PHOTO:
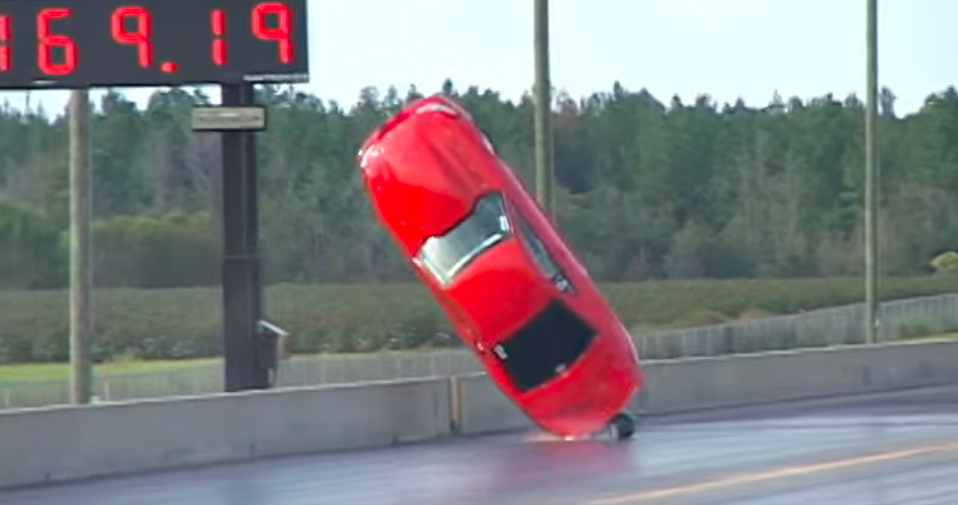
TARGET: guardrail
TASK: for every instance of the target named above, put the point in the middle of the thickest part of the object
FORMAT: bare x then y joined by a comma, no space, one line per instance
901,319
43,445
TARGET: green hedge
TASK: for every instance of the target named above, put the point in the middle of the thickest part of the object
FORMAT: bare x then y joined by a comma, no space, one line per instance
186,322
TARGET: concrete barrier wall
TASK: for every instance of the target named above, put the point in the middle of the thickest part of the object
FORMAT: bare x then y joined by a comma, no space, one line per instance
64,443
696,384
702,383
485,409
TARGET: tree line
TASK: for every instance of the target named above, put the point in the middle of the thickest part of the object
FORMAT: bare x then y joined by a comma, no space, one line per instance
645,188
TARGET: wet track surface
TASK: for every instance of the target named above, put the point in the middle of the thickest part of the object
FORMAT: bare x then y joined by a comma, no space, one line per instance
899,448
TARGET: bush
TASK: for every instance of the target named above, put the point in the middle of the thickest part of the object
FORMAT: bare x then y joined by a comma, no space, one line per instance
187,322
28,253
946,262
174,249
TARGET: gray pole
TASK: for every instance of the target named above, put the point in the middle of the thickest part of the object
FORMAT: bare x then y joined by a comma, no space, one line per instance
80,265
871,179
543,100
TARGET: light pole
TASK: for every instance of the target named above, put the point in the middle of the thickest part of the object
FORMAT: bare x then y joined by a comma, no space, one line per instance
871,176
543,100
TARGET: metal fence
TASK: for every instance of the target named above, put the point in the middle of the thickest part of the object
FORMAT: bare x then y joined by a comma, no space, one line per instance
842,325
900,319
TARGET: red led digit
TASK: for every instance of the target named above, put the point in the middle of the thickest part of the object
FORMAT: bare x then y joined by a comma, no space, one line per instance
139,37
49,40
279,34
218,22
4,40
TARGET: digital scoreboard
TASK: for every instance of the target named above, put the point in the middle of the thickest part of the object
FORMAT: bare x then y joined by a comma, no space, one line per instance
103,43
82,44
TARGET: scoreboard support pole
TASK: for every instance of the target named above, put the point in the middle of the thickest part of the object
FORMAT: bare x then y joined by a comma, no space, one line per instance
246,355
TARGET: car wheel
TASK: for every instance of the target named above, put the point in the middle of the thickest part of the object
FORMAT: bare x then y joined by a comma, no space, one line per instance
622,426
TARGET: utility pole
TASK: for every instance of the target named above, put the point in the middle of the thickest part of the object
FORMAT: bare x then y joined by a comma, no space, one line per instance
543,101
80,261
871,177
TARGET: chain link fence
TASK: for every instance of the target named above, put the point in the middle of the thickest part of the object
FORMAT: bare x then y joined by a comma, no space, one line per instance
899,319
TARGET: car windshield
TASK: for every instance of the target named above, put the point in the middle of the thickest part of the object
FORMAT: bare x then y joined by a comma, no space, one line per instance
447,254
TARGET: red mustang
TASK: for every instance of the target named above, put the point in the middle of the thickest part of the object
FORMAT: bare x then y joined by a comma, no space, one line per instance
501,272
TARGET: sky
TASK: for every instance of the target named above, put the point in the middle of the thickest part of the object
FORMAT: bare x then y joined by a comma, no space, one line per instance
725,48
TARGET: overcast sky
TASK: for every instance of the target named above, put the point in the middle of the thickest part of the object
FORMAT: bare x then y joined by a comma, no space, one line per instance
726,48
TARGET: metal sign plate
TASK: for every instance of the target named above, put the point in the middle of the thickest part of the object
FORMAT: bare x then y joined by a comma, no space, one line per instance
219,118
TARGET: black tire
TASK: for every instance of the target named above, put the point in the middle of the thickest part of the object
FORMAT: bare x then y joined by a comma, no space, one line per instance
623,426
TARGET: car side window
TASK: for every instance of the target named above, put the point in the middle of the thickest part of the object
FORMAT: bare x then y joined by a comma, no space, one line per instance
546,263
487,141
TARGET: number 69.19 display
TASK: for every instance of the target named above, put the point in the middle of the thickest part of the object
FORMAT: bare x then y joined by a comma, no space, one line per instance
86,43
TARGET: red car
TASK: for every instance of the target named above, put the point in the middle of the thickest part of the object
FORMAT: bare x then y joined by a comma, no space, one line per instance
516,294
